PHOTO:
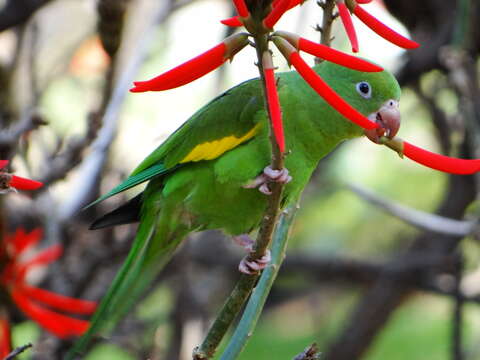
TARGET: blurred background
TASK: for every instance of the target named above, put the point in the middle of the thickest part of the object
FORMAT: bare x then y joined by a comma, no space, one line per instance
361,280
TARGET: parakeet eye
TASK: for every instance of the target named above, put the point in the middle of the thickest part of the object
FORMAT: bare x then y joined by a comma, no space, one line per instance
364,89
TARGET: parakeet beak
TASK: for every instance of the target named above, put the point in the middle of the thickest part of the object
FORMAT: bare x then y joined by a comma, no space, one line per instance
388,117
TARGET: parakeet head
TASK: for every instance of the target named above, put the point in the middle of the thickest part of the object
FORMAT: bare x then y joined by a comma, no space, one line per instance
375,94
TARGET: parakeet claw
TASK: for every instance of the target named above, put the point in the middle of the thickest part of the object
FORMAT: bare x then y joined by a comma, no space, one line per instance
244,241
250,267
269,175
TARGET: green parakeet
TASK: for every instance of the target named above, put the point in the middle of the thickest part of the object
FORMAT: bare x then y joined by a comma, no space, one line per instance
200,177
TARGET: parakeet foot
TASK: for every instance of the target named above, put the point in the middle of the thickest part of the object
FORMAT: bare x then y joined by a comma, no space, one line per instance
250,267
269,175
244,241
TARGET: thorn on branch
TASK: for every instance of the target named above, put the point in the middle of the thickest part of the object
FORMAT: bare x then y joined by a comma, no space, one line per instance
310,353
322,4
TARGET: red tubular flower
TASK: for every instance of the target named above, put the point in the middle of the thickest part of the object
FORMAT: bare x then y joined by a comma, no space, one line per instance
20,183
38,304
21,241
276,13
441,162
236,22
383,30
232,22
196,67
273,102
327,53
348,25
337,57
328,94
12,181
320,86
61,325
5,339
58,301
241,7
44,257
364,1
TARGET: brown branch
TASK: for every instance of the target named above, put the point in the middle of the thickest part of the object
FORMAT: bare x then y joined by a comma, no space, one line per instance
10,136
60,164
246,283
16,12
325,30
310,353
418,272
457,311
438,117
18,351
384,296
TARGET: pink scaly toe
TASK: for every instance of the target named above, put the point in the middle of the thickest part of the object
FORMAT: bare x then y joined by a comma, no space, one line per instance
251,267
269,175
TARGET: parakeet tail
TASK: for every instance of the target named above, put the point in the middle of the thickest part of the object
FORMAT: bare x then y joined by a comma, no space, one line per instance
158,235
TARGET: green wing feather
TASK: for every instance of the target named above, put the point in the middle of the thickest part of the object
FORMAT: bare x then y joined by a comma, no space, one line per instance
231,113
134,180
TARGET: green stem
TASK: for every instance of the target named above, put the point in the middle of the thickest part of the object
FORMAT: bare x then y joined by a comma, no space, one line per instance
259,296
244,287
264,237
242,290
224,319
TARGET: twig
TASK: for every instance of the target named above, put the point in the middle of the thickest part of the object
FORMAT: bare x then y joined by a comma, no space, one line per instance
457,350
439,117
129,59
420,219
9,137
413,270
61,164
246,283
310,353
16,12
111,15
18,351
326,29
378,303
224,319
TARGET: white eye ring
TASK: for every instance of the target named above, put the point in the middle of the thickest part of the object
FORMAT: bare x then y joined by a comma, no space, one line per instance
364,89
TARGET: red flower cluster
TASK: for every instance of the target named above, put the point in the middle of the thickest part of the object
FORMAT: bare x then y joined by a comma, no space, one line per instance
290,45
213,58
40,305
373,23
9,181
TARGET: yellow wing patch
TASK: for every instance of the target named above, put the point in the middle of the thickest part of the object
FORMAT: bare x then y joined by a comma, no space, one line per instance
212,149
